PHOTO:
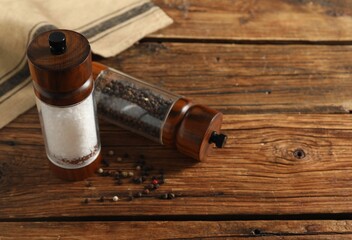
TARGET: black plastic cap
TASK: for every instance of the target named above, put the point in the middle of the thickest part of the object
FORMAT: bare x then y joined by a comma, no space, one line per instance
57,42
218,139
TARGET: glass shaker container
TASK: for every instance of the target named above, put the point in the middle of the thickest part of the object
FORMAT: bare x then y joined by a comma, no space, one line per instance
61,68
157,114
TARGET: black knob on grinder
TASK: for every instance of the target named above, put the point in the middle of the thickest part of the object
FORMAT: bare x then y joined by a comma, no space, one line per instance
57,42
218,139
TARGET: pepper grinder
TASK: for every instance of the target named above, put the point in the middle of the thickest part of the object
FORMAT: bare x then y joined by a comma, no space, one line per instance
61,68
156,113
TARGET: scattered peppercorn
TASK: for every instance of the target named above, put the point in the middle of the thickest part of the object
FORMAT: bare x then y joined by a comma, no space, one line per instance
164,196
149,168
138,195
105,173
88,183
87,200
140,162
143,175
137,180
105,162
171,196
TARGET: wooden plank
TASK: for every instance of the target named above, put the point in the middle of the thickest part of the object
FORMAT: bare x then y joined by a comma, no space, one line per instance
178,230
261,171
316,20
247,78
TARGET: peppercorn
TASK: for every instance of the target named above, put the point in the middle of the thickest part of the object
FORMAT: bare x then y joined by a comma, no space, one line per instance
130,174
162,181
138,195
105,162
102,199
105,173
87,200
171,196
145,173
115,198
124,174
155,181
138,168
146,191
149,168
130,198
100,170
156,186
164,196
119,159
112,173
140,162
144,178
119,182
111,153
137,180
88,183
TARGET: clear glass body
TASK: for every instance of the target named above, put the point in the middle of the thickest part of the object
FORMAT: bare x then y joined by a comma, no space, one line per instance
133,104
70,133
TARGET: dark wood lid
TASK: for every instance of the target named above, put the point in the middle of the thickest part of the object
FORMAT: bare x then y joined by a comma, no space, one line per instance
60,77
196,129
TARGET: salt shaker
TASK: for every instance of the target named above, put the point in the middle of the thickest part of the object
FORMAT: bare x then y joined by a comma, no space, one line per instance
157,114
61,68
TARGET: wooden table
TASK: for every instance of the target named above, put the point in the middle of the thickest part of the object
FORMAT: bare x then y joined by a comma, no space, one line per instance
280,71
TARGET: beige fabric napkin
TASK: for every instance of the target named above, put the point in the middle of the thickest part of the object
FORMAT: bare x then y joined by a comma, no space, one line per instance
111,26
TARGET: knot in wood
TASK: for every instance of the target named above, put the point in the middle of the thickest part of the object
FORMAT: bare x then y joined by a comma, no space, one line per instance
299,153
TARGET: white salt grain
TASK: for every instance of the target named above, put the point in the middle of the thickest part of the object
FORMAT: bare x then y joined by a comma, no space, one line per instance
70,133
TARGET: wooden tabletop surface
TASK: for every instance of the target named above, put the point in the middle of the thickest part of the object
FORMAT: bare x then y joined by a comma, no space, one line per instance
279,70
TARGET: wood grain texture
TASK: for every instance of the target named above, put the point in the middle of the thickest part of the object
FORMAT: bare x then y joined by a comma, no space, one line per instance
247,78
178,230
315,20
272,164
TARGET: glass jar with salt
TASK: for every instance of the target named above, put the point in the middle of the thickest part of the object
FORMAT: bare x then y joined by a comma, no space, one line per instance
61,68
156,113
